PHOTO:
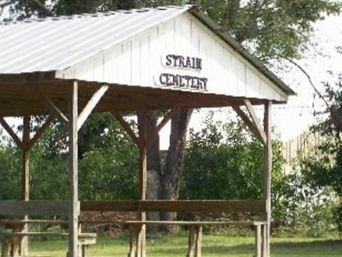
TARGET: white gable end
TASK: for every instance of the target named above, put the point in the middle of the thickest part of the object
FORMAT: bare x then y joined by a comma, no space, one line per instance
141,61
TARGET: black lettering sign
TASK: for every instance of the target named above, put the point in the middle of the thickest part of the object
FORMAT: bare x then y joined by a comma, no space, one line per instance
183,81
183,62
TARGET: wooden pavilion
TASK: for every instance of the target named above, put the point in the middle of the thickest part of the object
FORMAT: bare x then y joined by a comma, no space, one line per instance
123,62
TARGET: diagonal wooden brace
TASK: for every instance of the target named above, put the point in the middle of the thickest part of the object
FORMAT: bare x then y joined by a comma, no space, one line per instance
153,134
40,132
10,131
260,134
94,100
127,128
255,119
56,111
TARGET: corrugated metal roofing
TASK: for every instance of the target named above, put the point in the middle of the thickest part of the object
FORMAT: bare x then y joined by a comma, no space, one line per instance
56,43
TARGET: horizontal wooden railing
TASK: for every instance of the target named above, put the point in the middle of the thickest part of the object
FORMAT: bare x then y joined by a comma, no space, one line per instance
257,206
60,208
33,208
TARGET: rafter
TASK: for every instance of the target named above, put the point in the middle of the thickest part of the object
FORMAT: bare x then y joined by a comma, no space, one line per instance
10,131
94,100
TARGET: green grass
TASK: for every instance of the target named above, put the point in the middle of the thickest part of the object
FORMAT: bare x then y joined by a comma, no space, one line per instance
213,246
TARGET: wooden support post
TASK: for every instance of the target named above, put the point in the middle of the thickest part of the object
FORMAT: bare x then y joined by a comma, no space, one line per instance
5,248
199,241
73,173
258,243
191,242
25,178
142,123
263,241
25,193
25,146
132,241
268,173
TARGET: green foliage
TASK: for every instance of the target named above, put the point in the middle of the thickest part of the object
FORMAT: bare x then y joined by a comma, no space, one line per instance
305,209
48,176
110,161
107,164
322,169
10,170
223,161
273,29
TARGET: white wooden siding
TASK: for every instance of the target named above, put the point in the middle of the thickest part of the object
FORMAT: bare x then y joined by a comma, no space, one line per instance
138,61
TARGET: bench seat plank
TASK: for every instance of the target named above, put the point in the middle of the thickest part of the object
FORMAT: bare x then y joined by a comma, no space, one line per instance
240,223
80,236
22,222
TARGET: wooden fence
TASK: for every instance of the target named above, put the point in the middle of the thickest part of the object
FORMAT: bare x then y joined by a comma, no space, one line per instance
300,147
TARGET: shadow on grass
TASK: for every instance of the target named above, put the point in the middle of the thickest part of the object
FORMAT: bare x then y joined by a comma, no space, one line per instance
212,247
314,248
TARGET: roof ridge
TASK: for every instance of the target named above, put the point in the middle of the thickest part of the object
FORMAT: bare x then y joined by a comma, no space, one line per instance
96,14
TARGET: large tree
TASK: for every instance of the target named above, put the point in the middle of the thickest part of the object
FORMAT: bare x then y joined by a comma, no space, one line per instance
272,29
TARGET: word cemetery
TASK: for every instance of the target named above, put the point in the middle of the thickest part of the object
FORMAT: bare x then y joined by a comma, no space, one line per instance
183,81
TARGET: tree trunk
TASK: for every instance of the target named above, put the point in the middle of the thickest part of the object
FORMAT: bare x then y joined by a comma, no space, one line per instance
153,190
173,170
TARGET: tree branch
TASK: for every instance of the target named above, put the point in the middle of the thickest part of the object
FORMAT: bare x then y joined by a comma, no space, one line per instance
42,6
309,79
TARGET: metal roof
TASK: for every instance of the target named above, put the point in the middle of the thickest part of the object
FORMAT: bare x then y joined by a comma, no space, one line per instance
56,43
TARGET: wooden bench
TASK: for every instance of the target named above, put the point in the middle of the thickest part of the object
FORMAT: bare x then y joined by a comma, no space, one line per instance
257,207
195,234
11,240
